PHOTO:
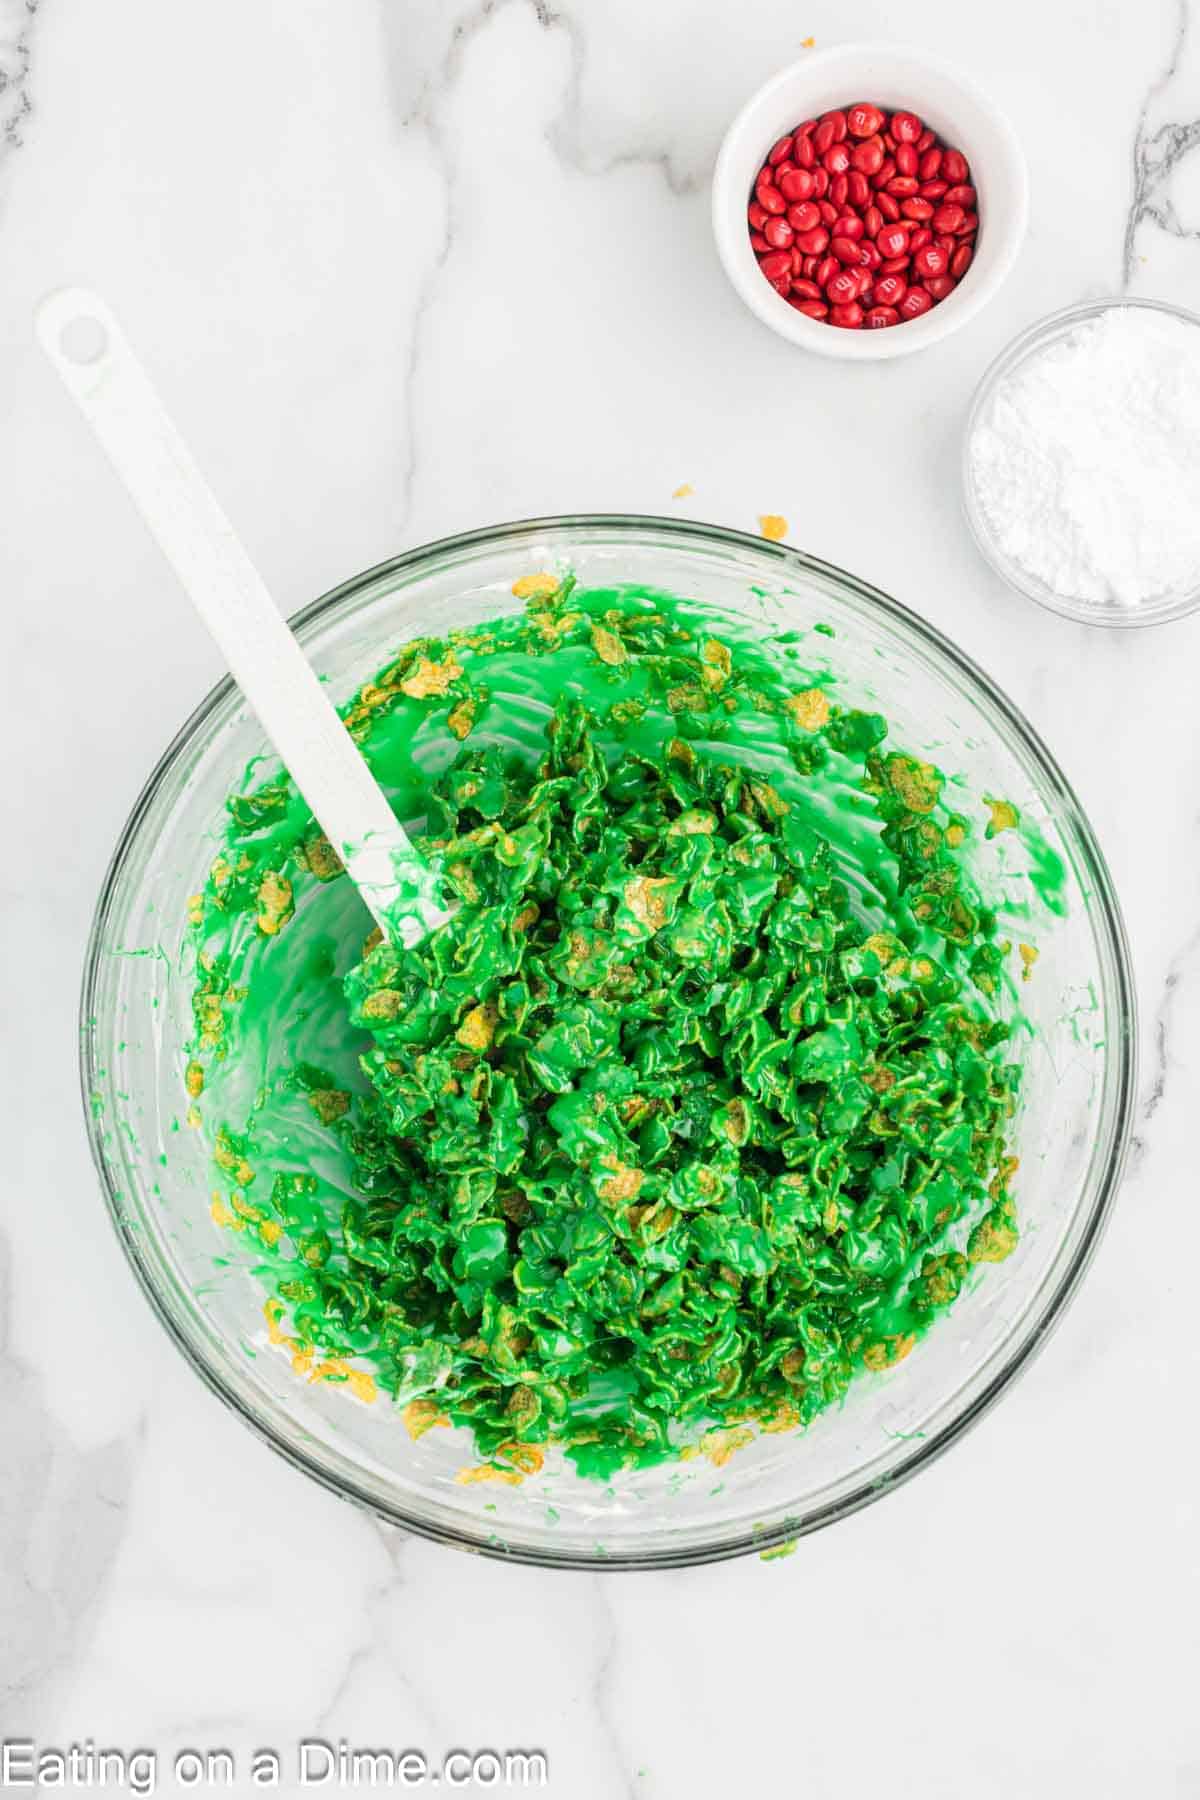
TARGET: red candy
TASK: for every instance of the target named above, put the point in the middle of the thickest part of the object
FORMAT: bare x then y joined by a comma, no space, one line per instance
847,251
863,121
948,218
929,260
868,157
815,242
918,300
843,287
892,240
863,219
890,290
797,184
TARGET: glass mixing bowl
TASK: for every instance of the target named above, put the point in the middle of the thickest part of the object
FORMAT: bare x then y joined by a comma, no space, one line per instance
1070,1132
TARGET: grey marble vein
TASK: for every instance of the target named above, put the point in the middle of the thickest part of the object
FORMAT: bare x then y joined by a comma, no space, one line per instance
376,1605
427,45
424,56
1158,149
16,31
1159,1038
425,50
62,1520
385,1601
421,68
1160,1035
603,1685
426,296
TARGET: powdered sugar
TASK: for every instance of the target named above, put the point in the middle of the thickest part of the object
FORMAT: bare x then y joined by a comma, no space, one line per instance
1085,461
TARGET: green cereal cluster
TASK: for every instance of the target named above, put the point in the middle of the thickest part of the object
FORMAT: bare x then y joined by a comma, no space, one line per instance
663,1133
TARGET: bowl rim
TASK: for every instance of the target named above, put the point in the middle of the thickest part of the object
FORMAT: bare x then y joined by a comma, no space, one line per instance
728,213
1109,1161
1107,616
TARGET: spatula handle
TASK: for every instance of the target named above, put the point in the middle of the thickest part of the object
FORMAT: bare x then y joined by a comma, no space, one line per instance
87,347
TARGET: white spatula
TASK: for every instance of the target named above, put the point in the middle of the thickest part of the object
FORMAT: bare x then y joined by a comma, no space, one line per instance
86,345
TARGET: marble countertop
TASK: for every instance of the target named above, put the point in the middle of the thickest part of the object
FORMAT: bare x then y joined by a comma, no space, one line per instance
406,266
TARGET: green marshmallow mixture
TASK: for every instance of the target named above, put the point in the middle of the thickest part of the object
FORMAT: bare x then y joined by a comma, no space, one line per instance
698,1106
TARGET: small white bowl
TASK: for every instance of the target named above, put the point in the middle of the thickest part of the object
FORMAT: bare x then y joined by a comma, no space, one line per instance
895,78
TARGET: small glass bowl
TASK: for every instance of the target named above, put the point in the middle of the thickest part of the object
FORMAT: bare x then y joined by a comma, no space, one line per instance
1028,343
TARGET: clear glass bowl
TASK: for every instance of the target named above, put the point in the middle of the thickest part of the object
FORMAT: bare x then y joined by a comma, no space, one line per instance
1071,1131
1085,612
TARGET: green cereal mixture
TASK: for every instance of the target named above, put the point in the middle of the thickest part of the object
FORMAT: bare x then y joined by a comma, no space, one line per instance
697,1107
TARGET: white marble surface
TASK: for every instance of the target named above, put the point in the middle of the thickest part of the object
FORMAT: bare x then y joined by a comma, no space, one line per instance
404,266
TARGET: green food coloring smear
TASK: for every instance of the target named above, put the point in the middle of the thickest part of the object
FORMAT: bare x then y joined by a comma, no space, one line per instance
698,1106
